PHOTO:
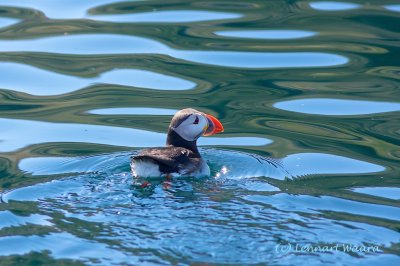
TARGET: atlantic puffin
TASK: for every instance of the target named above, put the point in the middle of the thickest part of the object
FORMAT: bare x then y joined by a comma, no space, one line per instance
180,156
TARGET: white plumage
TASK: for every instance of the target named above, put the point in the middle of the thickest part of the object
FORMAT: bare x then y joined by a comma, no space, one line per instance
180,156
147,169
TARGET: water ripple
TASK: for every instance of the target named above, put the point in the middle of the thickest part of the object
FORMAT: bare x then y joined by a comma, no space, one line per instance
172,217
395,8
14,136
225,164
66,191
334,6
52,8
264,60
41,82
5,22
267,34
319,106
172,16
384,192
133,111
73,247
85,44
9,219
392,72
326,203
303,164
120,44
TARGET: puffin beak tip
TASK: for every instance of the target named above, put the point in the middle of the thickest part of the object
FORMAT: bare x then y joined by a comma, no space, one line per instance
215,126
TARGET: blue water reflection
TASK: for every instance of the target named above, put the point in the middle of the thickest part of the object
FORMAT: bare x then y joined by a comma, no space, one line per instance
225,165
5,22
72,247
60,9
52,189
303,164
234,141
9,219
133,111
80,10
283,170
267,34
304,203
175,16
86,44
334,6
384,192
263,60
321,106
120,44
64,165
395,8
14,136
42,82
37,81
144,79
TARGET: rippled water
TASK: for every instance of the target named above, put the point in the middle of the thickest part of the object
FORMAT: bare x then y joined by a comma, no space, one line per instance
306,172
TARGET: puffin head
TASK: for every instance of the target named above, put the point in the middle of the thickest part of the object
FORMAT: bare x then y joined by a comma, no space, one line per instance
191,124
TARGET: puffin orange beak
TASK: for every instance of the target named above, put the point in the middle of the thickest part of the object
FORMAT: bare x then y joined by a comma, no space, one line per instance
214,126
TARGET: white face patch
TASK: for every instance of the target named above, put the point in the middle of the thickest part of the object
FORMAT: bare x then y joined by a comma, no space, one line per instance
192,128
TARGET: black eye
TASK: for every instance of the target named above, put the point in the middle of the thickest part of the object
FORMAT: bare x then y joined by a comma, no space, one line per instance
196,121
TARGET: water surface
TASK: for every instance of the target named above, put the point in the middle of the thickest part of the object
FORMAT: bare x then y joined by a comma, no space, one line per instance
306,172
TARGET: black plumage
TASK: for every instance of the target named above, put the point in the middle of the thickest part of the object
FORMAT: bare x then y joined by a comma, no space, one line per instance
171,159
180,156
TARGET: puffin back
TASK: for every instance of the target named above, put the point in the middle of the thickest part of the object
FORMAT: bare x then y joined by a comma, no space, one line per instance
164,161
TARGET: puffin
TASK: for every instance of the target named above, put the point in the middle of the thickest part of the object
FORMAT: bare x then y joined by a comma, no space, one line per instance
180,156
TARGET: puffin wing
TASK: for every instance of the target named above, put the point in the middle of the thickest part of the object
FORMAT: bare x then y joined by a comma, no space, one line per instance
169,159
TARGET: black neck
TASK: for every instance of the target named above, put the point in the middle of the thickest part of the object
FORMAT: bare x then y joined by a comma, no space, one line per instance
175,140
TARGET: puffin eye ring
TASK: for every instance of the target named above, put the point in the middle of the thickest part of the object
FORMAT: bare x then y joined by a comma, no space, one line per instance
196,121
